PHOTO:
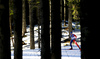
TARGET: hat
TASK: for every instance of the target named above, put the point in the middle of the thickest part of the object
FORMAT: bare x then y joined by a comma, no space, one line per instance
71,32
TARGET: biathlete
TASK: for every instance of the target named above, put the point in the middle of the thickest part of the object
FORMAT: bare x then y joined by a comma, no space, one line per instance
73,38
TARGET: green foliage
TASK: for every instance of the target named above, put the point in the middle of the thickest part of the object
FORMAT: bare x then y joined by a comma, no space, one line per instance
37,2
11,6
75,8
75,13
11,12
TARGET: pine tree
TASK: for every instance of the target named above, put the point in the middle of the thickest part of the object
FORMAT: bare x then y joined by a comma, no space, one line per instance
10,16
18,29
55,29
64,12
27,12
45,36
4,30
39,22
23,17
89,31
32,18
70,17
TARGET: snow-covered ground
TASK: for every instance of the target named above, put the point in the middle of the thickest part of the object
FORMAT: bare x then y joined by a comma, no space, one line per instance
35,53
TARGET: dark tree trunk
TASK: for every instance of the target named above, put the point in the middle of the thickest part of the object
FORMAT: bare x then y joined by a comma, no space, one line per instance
45,36
56,29
84,30
39,34
18,29
89,31
10,17
27,12
32,15
4,30
61,10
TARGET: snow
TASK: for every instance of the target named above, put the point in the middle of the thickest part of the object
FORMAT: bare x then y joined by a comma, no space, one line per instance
36,53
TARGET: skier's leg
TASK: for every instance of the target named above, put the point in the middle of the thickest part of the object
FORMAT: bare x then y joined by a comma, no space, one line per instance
76,44
71,43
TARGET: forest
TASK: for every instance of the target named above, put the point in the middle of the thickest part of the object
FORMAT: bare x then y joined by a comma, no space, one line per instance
16,15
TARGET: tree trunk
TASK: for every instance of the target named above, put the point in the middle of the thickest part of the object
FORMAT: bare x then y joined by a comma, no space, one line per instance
18,29
61,8
70,19
32,22
64,12
45,36
56,29
10,18
23,18
27,12
89,30
50,20
39,34
4,30
86,31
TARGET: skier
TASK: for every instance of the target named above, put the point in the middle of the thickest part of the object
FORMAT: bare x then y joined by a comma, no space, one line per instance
73,38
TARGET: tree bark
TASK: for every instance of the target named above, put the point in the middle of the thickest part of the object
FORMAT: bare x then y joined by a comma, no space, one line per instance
23,17
10,17
4,30
70,19
45,36
64,12
55,29
61,10
39,34
89,31
18,29
32,22
27,12
85,30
